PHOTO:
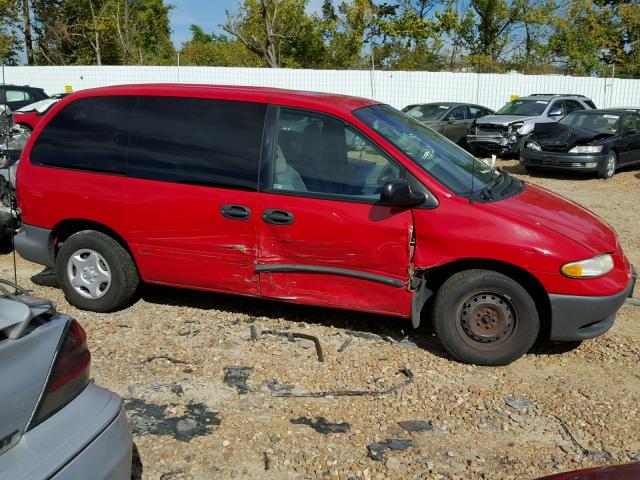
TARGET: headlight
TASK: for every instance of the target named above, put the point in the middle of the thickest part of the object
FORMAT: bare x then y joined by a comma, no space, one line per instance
533,146
590,268
514,127
586,149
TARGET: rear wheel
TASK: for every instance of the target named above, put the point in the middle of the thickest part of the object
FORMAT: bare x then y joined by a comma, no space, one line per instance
95,272
608,170
485,318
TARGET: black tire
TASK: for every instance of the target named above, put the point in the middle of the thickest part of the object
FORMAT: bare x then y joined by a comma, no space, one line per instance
606,171
124,278
500,304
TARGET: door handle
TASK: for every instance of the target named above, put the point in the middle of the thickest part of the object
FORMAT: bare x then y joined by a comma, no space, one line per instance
235,212
277,217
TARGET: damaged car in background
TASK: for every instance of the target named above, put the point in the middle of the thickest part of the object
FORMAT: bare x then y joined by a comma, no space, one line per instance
54,422
589,141
12,141
450,119
505,132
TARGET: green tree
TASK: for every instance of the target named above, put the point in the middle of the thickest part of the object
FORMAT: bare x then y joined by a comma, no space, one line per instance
216,50
9,33
278,31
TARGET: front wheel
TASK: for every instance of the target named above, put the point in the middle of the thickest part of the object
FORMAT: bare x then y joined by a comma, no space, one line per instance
485,318
608,170
95,272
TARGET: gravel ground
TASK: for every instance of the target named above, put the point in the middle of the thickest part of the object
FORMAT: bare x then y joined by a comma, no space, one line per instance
208,382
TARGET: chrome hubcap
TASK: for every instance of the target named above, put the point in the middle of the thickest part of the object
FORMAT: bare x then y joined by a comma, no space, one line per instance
487,318
89,274
611,165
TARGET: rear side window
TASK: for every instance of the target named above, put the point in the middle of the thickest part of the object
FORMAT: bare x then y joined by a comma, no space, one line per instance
590,104
196,141
17,96
88,134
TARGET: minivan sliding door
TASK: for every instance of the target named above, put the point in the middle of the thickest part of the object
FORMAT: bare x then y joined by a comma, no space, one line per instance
323,237
193,167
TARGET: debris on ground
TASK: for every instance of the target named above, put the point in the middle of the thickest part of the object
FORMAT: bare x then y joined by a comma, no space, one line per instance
322,425
350,393
345,345
150,419
519,403
169,358
377,449
291,336
416,425
237,376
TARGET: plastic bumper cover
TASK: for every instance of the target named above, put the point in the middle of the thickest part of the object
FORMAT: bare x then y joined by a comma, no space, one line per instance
90,433
34,244
576,317
562,161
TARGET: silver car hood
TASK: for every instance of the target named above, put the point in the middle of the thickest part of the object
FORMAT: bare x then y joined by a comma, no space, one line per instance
503,119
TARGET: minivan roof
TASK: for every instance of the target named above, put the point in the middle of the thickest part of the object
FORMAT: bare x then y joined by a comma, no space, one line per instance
321,101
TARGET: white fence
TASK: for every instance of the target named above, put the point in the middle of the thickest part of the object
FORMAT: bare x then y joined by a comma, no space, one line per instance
395,88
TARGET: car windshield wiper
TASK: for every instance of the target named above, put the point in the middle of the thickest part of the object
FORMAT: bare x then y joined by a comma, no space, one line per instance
486,193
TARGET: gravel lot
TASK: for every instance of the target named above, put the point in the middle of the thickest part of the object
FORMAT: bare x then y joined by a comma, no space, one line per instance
206,400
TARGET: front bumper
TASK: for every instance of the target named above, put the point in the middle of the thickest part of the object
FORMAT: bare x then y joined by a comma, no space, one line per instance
496,143
562,161
576,317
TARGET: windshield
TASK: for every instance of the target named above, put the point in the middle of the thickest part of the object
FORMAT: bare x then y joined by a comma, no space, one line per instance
445,161
593,122
427,112
524,107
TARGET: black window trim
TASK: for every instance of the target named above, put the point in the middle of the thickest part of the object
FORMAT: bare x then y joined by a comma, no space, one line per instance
268,160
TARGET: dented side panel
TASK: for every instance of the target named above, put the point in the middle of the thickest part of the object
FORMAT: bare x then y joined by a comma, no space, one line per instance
179,236
343,235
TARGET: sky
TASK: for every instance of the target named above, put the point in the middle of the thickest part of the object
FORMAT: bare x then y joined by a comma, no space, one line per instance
209,14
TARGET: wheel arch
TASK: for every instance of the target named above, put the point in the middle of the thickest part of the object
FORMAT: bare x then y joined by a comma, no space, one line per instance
64,229
436,276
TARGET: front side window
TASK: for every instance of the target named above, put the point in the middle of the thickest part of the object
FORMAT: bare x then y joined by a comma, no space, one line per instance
524,108
457,113
572,106
631,122
196,141
452,166
319,154
88,134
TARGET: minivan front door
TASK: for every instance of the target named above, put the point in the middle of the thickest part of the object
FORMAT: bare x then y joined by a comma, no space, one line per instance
192,210
323,239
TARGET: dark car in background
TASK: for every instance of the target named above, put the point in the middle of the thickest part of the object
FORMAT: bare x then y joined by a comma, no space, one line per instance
18,96
451,119
506,131
589,140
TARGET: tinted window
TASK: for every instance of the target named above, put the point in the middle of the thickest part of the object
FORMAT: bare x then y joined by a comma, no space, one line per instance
457,113
88,134
477,112
319,154
590,103
197,141
631,122
572,106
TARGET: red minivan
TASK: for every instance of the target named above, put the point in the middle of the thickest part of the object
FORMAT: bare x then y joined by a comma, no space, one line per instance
309,198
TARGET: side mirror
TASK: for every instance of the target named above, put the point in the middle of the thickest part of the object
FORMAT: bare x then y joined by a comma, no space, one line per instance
556,112
397,192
